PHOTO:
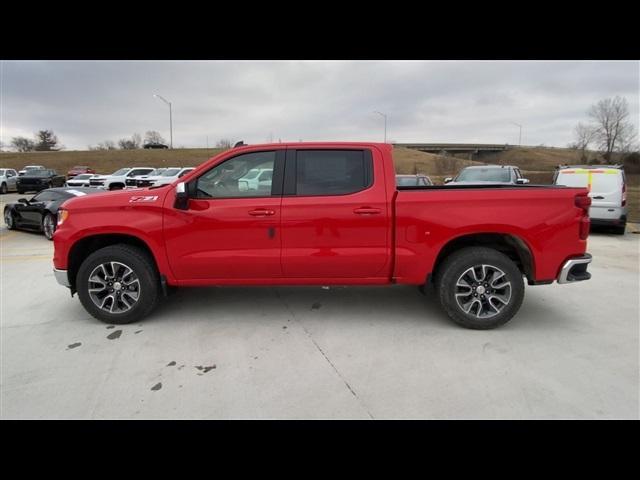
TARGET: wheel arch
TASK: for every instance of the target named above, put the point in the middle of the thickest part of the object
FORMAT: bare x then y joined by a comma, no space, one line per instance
89,244
511,245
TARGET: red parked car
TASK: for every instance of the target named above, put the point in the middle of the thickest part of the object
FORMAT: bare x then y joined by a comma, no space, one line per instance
331,214
79,169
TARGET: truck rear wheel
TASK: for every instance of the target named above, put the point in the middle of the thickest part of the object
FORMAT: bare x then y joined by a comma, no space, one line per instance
118,284
480,288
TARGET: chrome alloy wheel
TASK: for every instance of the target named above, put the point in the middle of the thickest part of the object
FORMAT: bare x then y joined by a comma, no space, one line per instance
114,287
483,291
49,226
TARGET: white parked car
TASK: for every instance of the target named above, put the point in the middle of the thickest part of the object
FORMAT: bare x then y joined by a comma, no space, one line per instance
31,167
607,189
8,180
81,180
256,178
144,180
170,175
117,180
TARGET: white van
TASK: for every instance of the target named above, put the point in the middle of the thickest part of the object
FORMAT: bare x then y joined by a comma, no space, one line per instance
607,189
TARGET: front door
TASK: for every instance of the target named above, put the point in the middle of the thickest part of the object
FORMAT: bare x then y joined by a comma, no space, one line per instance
231,228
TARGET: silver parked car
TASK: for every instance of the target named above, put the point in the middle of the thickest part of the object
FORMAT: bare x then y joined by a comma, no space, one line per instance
8,178
488,174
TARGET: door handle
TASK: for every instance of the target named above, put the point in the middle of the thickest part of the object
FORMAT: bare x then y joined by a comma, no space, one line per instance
261,212
598,198
367,211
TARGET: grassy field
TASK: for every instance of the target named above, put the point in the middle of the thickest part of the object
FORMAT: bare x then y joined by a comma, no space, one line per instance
537,164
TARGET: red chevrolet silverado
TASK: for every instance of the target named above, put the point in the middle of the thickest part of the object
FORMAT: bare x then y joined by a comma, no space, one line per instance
320,214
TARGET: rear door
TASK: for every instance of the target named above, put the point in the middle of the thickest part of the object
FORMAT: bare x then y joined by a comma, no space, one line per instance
335,217
606,193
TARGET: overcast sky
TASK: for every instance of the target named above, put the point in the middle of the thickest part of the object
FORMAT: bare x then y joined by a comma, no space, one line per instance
86,102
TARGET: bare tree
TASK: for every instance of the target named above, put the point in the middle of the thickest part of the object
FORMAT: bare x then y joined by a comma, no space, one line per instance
224,143
153,137
584,136
613,130
23,144
46,141
132,143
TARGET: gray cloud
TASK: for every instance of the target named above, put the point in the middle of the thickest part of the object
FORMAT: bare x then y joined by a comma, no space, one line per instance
86,102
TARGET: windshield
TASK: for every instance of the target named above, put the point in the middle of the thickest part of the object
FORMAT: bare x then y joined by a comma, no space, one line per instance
170,172
407,181
484,175
40,173
1,172
120,172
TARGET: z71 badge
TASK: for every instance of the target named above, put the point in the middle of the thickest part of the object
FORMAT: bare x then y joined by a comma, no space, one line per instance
143,198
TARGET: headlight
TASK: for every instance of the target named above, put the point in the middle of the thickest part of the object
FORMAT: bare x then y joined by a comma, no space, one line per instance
62,216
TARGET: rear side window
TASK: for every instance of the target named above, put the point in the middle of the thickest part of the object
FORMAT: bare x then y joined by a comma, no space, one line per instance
332,172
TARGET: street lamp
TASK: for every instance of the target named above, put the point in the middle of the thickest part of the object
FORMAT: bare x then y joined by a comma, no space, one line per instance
385,124
520,137
170,119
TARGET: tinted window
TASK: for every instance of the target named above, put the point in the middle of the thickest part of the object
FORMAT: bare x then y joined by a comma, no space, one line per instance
229,179
332,172
46,197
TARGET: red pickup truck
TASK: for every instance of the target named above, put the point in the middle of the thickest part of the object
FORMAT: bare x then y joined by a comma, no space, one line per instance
320,214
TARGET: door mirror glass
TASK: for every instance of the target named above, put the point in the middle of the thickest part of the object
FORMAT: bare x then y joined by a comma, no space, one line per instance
23,200
182,197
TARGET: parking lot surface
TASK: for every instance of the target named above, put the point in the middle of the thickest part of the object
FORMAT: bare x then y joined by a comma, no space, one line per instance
572,352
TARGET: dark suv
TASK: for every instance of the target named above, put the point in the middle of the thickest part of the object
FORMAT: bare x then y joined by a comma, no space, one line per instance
36,180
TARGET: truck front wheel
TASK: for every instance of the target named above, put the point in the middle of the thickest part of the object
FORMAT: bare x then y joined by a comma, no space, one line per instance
118,284
480,288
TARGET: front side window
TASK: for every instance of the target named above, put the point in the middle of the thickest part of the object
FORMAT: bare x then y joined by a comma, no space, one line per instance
229,179
332,172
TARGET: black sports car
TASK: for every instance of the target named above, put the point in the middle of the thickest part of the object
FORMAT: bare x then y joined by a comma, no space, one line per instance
36,180
41,212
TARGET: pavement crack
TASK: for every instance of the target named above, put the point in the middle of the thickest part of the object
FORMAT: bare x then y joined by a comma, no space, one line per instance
335,369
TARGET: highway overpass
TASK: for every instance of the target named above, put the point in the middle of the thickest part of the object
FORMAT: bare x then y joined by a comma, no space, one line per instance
470,149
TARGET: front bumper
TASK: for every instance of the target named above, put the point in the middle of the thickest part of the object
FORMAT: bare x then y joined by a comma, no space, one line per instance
62,277
575,269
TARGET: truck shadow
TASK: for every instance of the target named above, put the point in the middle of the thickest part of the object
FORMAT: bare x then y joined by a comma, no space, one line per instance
366,306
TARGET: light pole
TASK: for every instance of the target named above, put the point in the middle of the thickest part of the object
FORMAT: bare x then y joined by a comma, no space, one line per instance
385,124
520,137
170,119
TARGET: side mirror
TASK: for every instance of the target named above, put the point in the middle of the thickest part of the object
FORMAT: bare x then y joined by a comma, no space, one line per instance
448,179
23,200
182,197
522,181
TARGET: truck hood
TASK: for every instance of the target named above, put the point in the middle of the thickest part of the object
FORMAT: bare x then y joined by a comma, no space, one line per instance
117,198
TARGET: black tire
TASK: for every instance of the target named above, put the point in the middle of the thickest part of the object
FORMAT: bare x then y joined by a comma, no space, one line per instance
21,192
3,188
11,225
620,230
45,218
459,262
143,267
